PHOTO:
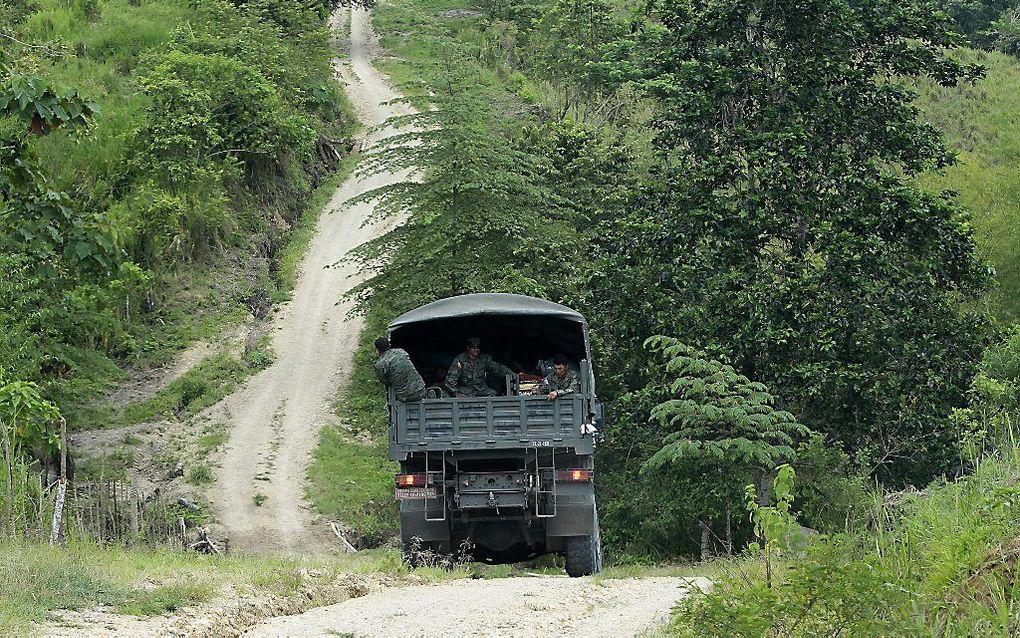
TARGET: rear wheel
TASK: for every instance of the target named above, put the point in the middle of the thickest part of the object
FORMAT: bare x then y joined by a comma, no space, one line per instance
584,553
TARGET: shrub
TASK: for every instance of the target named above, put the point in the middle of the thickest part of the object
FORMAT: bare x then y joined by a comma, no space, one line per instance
208,108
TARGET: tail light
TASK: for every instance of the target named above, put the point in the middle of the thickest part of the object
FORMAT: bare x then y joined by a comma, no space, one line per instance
578,475
410,480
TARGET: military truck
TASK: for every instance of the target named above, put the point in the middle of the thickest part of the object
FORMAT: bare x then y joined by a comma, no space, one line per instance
511,477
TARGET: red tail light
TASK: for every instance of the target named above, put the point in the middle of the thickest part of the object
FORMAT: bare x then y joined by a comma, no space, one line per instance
579,475
410,480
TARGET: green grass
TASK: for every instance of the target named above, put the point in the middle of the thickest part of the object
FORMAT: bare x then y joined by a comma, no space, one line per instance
200,474
936,562
350,478
202,386
36,581
213,436
110,465
412,31
352,482
983,123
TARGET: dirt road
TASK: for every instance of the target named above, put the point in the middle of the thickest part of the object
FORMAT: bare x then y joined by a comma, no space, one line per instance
540,606
274,419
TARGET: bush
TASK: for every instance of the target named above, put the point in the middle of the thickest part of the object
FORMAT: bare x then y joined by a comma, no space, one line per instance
208,108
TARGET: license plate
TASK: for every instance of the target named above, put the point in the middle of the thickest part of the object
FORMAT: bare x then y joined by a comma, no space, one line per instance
405,493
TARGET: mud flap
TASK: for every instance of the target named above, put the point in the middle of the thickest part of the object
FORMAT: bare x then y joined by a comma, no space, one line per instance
413,523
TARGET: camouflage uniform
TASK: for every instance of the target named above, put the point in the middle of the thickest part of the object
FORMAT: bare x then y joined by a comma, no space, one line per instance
569,383
467,376
394,368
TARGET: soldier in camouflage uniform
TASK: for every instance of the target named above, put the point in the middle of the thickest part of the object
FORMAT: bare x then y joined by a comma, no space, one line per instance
563,380
466,377
394,368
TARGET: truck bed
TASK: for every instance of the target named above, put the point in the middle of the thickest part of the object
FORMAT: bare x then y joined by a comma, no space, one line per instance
489,423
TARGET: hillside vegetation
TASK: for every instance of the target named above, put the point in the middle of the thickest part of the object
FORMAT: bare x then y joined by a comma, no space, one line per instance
792,315
163,216
981,122
867,326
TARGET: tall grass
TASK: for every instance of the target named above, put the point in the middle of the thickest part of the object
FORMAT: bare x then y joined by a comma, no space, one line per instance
350,478
942,561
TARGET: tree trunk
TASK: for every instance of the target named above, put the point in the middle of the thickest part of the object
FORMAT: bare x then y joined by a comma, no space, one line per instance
56,531
706,540
763,486
9,469
729,528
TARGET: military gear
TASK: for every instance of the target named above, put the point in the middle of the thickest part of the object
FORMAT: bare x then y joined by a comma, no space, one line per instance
569,383
467,375
474,341
394,368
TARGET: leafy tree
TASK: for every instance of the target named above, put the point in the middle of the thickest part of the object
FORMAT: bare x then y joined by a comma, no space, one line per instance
773,524
973,18
1004,33
208,107
709,416
479,216
24,419
572,34
782,230
718,414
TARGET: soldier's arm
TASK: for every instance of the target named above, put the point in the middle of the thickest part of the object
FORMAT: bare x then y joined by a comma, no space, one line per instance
380,372
575,385
453,376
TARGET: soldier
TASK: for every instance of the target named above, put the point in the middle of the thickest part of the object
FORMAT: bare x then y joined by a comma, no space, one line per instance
563,380
394,368
466,377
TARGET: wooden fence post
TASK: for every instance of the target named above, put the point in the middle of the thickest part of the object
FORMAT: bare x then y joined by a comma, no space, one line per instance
58,508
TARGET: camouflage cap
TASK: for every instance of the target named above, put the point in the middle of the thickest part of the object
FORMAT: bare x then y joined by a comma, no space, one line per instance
474,341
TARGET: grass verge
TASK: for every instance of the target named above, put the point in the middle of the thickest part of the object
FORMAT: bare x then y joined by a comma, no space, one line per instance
350,478
942,561
301,234
36,581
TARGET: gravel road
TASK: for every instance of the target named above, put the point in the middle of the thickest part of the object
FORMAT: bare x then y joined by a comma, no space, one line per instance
276,416
539,606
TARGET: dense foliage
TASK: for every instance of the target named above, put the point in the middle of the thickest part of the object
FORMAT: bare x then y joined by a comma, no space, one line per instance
742,176
138,141
942,561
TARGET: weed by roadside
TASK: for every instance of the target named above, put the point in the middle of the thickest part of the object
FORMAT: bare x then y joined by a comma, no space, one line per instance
200,474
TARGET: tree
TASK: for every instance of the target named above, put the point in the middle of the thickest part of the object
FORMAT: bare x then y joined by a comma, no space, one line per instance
712,415
782,228
571,35
479,215
24,420
1004,33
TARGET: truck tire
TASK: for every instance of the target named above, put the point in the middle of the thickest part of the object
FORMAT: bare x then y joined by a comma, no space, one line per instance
584,553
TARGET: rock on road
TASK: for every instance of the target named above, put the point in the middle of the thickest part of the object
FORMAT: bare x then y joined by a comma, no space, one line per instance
538,606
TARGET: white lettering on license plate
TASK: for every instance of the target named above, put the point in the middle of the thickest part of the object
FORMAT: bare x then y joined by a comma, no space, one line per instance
405,493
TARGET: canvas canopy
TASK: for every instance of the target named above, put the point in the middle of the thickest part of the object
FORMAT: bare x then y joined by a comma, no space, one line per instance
516,330
481,304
